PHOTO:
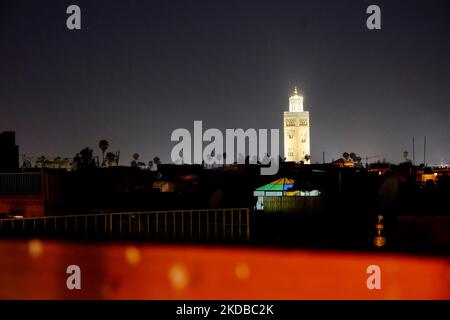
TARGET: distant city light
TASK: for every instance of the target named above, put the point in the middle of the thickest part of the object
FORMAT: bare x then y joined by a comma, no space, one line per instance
178,277
35,248
132,255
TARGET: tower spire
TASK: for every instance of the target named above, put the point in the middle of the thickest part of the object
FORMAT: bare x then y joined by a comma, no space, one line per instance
296,101
296,130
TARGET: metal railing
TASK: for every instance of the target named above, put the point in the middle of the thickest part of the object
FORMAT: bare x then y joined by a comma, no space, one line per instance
177,225
20,183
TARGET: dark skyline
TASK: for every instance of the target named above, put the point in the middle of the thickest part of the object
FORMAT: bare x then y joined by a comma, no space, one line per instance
138,70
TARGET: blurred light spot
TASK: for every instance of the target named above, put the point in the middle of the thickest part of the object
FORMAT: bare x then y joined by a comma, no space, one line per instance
35,248
109,288
132,255
178,277
106,290
242,271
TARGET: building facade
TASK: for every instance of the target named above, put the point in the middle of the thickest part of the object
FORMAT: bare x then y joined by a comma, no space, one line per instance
296,130
9,160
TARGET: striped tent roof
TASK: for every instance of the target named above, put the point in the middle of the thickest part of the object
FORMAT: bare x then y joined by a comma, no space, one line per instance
281,184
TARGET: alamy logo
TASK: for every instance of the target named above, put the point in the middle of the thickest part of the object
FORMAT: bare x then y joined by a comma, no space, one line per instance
374,20
73,21
215,153
374,280
74,280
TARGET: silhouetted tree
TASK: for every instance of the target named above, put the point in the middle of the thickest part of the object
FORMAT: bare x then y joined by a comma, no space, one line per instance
85,159
346,156
156,161
134,162
76,161
103,145
110,158
117,157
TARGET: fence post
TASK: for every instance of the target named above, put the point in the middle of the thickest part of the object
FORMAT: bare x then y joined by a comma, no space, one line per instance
110,224
174,226
148,225
199,225
248,224
129,225
215,224
165,224
190,224
223,223
139,224
120,225
157,225
232,225
239,224
207,225
182,225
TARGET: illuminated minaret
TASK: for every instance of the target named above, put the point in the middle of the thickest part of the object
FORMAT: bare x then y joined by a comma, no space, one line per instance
296,130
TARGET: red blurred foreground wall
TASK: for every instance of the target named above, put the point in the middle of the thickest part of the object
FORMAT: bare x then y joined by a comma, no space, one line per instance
36,269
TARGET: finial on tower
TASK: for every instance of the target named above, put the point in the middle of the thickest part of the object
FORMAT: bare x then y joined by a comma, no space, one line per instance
295,91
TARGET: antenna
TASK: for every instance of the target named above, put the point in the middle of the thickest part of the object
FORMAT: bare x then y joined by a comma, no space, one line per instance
414,152
424,151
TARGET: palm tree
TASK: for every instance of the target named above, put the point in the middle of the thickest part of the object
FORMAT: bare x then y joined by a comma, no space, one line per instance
346,156
110,158
103,145
134,163
157,162
117,157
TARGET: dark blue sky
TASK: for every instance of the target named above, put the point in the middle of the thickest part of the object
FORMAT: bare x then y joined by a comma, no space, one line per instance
140,69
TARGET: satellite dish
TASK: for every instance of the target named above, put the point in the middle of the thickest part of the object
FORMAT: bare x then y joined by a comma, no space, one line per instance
26,164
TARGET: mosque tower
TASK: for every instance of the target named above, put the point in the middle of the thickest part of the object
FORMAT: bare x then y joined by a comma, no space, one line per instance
296,130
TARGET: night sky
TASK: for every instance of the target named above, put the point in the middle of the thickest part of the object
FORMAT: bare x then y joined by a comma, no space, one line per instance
140,69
